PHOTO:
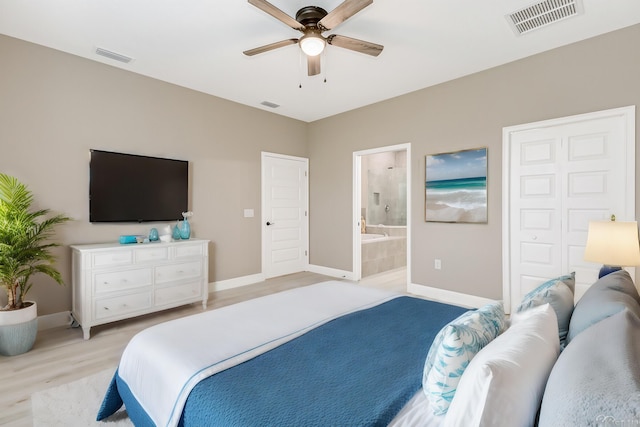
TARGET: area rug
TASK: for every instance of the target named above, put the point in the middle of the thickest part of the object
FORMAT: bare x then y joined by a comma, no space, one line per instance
76,404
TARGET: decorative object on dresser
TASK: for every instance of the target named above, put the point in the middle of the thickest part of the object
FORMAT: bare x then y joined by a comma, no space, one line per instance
25,250
185,227
153,235
114,282
176,231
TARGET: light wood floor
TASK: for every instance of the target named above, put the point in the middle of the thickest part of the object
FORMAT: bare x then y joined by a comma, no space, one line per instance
60,355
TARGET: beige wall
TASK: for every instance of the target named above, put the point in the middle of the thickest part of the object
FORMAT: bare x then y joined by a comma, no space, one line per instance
592,75
54,107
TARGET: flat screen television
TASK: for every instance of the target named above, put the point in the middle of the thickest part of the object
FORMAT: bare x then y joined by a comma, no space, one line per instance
132,188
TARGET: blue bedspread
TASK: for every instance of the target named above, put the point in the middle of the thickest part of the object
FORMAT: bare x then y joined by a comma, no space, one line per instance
357,370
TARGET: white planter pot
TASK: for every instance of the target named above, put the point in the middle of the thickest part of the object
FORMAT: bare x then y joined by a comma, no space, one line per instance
18,330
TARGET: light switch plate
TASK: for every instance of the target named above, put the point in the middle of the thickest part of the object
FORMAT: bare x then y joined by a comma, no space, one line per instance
248,213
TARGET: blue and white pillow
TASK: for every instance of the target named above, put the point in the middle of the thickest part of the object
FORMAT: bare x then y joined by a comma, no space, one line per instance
459,345
559,294
454,347
489,318
494,321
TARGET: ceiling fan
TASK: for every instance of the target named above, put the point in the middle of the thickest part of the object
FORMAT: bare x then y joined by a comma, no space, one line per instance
312,21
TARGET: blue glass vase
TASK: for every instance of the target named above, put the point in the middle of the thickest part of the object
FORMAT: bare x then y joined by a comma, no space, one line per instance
153,235
185,229
176,232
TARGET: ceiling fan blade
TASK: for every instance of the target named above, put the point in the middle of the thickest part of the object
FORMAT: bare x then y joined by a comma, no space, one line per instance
267,7
269,47
361,46
344,11
313,65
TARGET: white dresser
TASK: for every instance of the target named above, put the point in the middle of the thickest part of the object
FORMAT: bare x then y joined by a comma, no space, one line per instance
114,282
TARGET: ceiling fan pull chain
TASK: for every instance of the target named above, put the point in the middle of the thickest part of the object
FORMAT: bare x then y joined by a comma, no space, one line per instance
301,62
326,65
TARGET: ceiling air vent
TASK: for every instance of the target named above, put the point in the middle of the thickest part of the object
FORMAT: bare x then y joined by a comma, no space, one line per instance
542,14
113,55
269,104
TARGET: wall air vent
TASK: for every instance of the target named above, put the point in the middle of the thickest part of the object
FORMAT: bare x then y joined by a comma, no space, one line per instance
113,55
269,104
542,14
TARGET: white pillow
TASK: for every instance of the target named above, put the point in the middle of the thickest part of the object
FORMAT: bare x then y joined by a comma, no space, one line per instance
504,382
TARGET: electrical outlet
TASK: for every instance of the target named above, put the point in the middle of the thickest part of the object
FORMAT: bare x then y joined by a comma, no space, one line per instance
437,264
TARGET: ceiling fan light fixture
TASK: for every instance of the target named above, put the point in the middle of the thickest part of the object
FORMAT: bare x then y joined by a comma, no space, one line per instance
312,44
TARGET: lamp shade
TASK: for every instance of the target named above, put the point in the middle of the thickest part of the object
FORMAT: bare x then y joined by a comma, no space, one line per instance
613,243
312,44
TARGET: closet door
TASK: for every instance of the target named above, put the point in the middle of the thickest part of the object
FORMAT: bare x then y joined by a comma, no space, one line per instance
560,175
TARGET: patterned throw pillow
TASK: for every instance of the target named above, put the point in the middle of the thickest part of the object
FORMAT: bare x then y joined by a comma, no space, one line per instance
559,294
460,344
454,347
490,315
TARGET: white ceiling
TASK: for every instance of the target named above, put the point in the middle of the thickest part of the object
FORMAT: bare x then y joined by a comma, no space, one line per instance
198,44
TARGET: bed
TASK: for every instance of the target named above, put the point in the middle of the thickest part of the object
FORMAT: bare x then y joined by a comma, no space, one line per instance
338,354
346,354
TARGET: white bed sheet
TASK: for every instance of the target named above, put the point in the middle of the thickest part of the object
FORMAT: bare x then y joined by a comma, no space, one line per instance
162,364
417,413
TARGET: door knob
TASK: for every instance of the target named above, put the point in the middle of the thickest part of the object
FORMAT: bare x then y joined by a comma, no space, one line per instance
270,223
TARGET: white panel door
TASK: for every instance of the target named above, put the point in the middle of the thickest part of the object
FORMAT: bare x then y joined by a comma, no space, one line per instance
284,214
561,176
536,201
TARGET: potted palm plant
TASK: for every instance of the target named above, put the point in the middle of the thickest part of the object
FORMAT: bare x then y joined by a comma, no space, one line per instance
25,250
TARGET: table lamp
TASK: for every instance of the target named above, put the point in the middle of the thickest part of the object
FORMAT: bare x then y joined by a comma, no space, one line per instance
612,243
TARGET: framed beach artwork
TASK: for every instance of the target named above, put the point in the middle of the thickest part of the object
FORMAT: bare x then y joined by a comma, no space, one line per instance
456,186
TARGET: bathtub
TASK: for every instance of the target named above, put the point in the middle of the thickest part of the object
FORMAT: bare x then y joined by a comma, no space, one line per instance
383,248
371,236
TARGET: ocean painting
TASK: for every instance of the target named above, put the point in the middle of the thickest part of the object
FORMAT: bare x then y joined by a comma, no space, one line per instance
456,186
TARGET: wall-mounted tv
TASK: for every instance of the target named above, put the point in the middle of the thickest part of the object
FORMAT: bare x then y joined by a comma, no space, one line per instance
133,188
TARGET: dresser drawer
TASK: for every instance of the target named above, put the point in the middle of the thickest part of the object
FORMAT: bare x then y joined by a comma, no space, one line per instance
152,254
112,259
189,251
181,271
177,293
121,305
122,280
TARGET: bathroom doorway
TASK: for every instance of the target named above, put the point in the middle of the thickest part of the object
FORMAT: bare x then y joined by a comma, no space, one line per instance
382,210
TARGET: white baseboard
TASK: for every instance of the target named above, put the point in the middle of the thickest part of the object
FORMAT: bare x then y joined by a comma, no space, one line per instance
54,320
331,272
236,282
449,297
